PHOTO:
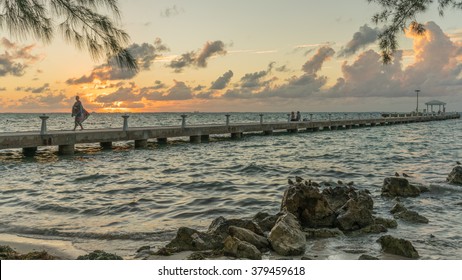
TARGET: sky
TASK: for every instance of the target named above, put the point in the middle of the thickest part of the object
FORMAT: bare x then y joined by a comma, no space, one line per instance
242,56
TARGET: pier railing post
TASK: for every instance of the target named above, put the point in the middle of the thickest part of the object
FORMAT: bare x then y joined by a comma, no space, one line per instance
261,118
125,127
311,117
183,121
288,117
330,115
43,129
227,118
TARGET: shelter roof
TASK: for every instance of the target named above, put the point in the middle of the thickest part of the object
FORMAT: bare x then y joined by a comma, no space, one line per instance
435,102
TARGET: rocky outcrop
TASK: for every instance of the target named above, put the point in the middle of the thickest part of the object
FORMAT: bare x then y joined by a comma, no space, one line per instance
322,232
248,236
265,221
402,213
7,253
397,186
220,226
188,239
455,177
398,246
354,215
308,205
100,255
235,247
287,237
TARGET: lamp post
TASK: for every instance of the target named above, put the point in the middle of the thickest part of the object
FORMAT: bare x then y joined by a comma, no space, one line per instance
417,108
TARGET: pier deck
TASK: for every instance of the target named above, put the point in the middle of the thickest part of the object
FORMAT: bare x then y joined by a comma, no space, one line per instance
66,139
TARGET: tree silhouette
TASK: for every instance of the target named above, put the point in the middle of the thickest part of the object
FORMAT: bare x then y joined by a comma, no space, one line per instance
397,15
79,22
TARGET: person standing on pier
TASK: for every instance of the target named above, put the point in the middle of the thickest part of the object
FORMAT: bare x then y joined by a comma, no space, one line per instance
79,113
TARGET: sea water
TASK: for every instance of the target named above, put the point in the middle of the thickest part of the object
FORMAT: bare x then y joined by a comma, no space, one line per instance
125,198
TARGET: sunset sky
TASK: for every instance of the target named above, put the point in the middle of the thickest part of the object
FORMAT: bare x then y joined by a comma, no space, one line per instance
243,56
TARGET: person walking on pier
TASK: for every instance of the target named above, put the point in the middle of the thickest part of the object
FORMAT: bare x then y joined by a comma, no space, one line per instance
79,113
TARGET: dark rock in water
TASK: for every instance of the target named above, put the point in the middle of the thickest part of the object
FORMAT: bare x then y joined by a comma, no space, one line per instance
7,253
240,249
322,232
143,248
220,226
411,216
367,257
374,228
100,255
402,213
354,215
287,237
308,205
188,239
396,186
398,246
388,223
338,196
265,221
397,208
455,177
249,236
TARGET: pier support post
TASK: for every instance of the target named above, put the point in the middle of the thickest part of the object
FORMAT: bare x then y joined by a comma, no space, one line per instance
268,132
66,149
292,130
236,135
227,118
261,118
162,141
29,151
106,145
195,139
183,121
205,138
125,127
141,143
43,129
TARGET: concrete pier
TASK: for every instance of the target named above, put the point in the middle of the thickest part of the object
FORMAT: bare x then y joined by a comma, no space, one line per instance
66,140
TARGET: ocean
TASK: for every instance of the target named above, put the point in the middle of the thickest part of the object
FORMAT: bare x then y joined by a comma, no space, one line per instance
125,198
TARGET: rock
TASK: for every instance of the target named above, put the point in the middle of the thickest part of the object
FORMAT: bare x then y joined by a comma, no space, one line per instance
322,232
308,205
220,226
248,236
397,186
401,212
398,246
188,239
287,237
375,228
240,249
354,215
265,221
7,253
411,216
367,257
388,223
455,177
100,255
397,208
338,196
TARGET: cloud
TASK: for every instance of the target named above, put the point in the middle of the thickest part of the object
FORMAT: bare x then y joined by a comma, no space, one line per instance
254,85
120,95
198,58
145,54
222,81
171,11
16,58
315,63
49,101
2,88
436,70
361,39
45,87
179,91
